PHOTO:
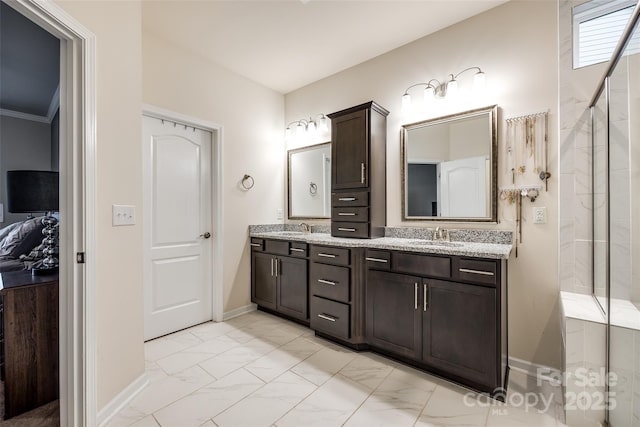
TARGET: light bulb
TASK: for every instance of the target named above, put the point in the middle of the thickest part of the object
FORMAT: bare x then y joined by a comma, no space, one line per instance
429,93
324,126
452,87
479,82
299,128
311,127
406,102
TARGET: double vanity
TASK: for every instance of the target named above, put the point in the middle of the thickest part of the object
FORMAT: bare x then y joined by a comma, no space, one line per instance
435,304
434,299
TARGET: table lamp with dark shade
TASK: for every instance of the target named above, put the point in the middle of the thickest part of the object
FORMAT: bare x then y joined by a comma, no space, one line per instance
31,191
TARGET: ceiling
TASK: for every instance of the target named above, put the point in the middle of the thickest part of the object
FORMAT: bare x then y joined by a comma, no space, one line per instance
285,45
29,64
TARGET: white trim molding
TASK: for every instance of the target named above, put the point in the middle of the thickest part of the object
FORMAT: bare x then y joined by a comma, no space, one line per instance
239,311
77,208
23,116
540,372
122,399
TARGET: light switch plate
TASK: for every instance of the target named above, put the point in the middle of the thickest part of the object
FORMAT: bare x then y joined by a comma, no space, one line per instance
279,214
539,215
123,215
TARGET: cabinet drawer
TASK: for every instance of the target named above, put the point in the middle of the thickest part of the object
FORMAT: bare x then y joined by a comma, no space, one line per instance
298,249
351,198
476,270
257,244
329,255
330,317
278,247
378,260
330,281
421,265
353,214
350,229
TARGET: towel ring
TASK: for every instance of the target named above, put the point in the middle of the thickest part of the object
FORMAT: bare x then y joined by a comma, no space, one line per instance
247,182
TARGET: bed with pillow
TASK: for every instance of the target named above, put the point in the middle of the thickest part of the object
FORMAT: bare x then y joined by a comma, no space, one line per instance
20,245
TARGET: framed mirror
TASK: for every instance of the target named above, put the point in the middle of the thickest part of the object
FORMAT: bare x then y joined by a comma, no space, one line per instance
309,182
449,167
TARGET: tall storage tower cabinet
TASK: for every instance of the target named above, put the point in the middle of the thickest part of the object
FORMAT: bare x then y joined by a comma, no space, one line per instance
358,171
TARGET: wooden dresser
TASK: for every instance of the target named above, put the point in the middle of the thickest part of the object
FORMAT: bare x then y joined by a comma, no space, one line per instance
30,340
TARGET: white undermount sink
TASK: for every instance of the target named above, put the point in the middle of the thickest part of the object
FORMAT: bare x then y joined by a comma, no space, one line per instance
437,243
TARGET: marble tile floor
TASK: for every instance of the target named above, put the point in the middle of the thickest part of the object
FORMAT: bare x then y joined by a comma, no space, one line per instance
260,370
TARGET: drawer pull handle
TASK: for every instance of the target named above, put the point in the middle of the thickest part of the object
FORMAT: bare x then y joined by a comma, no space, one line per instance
484,273
297,250
347,199
325,317
377,260
425,302
351,230
326,255
346,214
271,267
327,282
256,245
361,173
415,296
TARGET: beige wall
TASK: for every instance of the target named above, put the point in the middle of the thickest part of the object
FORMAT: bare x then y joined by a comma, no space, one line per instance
521,78
118,256
252,118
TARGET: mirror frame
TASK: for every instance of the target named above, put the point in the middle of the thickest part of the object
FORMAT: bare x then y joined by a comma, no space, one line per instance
289,153
492,111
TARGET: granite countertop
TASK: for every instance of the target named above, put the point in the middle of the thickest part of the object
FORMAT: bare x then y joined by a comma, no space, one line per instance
402,239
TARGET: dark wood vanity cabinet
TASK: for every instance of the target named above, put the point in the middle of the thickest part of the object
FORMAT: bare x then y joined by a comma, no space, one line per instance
420,311
336,301
279,277
358,171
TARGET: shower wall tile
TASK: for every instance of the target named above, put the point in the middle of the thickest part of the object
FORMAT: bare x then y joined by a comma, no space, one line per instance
583,262
583,215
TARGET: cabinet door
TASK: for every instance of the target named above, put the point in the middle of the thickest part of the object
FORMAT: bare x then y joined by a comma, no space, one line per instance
459,330
394,313
292,287
349,150
263,280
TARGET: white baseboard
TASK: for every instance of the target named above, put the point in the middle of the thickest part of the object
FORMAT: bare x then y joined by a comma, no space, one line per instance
239,311
541,372
121,400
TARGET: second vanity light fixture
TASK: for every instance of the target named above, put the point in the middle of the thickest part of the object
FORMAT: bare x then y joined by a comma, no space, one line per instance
435,89
309,126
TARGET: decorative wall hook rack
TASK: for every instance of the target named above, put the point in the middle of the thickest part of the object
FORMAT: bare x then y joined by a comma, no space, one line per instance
514,194
528,141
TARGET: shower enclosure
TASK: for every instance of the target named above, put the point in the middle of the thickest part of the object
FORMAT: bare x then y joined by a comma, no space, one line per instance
615,154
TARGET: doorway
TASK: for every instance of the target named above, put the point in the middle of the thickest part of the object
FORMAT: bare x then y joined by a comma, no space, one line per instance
181,217
77,211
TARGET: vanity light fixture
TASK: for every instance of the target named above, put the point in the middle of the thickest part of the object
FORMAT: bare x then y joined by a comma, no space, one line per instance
435,89
310,126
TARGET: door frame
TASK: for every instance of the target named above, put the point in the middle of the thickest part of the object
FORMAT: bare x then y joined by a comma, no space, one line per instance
217,288
78,397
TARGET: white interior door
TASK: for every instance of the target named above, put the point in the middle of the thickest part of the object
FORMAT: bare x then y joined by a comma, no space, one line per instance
463,187
177,206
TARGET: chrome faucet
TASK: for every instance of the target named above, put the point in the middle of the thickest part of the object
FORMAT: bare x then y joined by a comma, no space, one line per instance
436,234
306,228
441,234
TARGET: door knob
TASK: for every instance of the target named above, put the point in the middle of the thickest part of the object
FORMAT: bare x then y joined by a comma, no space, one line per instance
206,235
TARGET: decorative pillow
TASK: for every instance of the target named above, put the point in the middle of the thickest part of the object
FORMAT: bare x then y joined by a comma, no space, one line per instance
23,238
4,232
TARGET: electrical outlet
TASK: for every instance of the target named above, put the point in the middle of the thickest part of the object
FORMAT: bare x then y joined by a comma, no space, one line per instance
279,214
123,215
539,215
